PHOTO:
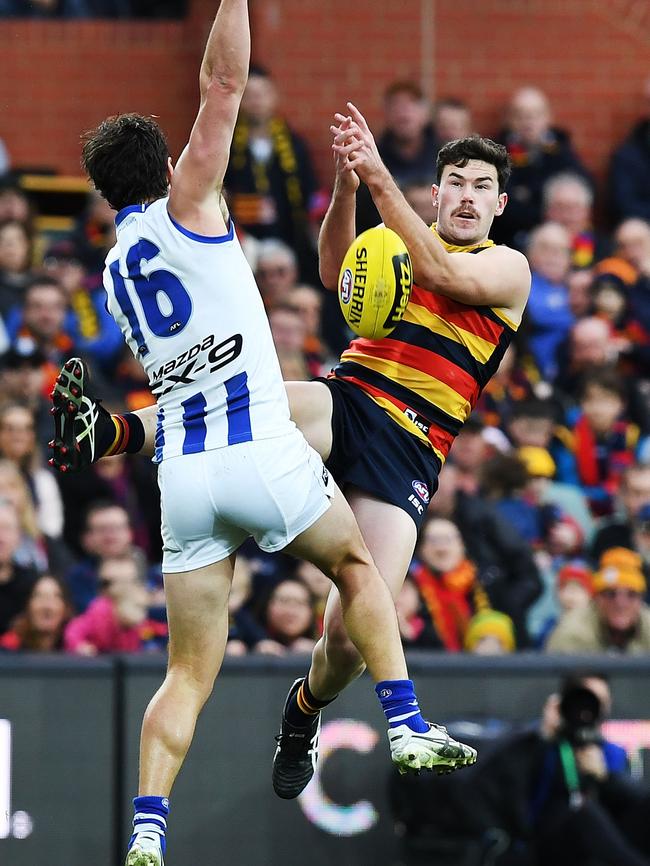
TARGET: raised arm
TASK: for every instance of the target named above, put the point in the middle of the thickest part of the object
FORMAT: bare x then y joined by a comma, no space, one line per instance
498,277
196,183
338,229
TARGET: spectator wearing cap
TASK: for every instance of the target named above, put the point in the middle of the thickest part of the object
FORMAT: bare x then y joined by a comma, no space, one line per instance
518,497
490,633
547,491
573,589
88,322
617,619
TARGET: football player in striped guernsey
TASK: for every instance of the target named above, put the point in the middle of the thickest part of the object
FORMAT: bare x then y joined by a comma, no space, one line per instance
385,418
231,462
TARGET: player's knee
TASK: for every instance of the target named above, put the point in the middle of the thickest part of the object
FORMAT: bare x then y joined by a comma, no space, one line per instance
353,562
196,678
341,653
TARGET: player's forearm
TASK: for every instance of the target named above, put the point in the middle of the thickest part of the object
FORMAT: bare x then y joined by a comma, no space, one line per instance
336,234
432,266
227,53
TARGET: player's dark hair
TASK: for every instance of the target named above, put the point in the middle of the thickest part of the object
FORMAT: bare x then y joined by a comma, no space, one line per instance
460,151
126,159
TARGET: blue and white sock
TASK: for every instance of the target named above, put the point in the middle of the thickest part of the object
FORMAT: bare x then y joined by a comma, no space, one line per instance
400,705
150,819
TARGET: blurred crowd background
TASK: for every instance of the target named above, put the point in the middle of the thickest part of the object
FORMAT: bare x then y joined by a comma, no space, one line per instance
539,535
80,9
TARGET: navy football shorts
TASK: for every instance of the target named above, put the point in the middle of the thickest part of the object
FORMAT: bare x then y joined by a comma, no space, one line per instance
373,453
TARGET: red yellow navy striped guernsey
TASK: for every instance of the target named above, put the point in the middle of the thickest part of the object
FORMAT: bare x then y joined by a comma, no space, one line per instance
429,372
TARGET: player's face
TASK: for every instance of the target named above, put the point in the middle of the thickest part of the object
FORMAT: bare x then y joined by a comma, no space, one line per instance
468,199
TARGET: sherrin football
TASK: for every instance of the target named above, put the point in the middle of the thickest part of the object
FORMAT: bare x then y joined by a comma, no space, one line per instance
375,282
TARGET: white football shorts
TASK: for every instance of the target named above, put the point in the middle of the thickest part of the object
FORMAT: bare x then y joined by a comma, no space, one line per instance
211,501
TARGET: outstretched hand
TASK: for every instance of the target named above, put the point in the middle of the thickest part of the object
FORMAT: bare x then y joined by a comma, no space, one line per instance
355,148
346,176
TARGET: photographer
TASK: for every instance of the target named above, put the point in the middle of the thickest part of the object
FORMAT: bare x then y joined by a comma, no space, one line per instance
560,793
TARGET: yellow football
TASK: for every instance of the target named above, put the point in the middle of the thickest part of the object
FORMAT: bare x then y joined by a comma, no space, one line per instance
375,282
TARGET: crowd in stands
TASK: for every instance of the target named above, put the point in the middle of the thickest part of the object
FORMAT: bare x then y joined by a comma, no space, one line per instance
539,535
75,9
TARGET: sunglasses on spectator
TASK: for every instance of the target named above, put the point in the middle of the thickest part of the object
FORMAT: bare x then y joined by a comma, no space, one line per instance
629,594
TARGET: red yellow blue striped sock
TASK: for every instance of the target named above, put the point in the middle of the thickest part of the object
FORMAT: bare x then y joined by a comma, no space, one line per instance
128,435
303,706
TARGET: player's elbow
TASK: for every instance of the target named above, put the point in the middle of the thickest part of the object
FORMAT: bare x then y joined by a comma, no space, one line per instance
432,278
328,274
223,83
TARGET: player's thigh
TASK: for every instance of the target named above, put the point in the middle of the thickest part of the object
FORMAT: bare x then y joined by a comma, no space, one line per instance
310,404
332,538
390,535
197,615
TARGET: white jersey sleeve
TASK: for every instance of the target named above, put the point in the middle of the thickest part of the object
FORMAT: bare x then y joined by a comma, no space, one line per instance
191,312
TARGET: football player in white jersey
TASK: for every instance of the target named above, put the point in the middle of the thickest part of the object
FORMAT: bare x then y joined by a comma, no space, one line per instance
231,462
